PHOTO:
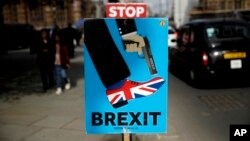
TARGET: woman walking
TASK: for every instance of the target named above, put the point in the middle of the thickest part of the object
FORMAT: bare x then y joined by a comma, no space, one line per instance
62,63
44,60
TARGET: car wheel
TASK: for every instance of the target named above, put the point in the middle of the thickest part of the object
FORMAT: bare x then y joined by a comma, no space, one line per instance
197,80
193,78
192,75
170,65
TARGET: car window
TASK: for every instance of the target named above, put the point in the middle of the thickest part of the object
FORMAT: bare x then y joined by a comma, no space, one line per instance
226,32
171,31
187,36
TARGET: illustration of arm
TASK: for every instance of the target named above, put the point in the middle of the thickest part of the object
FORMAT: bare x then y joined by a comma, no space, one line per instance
135,43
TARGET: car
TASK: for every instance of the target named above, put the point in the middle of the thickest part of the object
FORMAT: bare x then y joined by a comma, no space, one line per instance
210,49
172,36
18,36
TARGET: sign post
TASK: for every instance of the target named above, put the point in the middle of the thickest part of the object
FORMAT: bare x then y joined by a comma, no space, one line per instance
126,137
126,72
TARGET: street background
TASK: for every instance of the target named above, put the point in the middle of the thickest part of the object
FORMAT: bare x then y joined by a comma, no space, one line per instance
29,114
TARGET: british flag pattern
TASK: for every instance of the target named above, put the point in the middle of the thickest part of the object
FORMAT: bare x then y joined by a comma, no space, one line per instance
132,90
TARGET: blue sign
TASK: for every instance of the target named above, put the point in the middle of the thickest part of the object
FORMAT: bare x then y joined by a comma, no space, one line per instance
126,75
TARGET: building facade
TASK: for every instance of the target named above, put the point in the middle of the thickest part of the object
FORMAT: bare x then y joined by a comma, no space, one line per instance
222,8
225,4
45,15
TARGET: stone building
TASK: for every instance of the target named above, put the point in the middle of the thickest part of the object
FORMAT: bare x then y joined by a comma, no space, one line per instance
222,8
45,15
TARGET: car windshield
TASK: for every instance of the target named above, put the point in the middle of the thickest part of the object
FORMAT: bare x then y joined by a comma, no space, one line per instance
227,32
171,31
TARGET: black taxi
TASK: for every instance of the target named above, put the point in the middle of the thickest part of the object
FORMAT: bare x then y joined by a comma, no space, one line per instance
212,48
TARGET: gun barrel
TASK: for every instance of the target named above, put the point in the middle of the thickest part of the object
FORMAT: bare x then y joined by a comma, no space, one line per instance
149,57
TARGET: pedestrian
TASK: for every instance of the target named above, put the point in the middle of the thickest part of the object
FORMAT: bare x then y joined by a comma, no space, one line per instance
69,36
54,29
44,60
62,63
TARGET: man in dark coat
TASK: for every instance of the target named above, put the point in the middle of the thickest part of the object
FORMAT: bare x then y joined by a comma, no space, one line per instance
45,60
69,35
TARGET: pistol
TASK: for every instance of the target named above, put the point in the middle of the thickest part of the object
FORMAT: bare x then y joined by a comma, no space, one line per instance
147,54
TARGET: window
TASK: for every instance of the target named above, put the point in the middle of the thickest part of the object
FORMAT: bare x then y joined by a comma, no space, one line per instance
187,36
222,5
227,32
36,15
237,4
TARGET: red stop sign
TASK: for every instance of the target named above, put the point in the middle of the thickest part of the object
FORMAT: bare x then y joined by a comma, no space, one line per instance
126,10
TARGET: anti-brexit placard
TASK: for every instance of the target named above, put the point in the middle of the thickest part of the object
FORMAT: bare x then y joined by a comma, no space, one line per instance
126,75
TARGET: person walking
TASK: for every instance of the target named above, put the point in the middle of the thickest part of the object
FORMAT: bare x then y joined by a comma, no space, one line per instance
44,60
54,30
69,36
62,63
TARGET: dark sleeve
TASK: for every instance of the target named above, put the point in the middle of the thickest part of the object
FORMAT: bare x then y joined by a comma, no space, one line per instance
126,26
38,47
104,53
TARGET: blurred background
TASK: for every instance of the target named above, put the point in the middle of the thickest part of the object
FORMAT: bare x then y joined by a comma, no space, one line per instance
38,14
43,13
29,114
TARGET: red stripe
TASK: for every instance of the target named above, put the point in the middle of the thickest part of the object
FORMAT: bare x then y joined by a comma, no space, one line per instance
146,89
127,93
113,100
110,92
155,79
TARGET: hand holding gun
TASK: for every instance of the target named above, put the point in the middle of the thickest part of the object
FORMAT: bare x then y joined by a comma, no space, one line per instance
136,43
133,43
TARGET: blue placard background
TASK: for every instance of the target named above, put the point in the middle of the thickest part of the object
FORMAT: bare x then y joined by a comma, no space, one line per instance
156,30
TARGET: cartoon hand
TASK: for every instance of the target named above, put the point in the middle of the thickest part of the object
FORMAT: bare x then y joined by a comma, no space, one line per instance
133,43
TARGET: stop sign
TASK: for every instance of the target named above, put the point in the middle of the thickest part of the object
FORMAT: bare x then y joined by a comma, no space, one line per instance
126,10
